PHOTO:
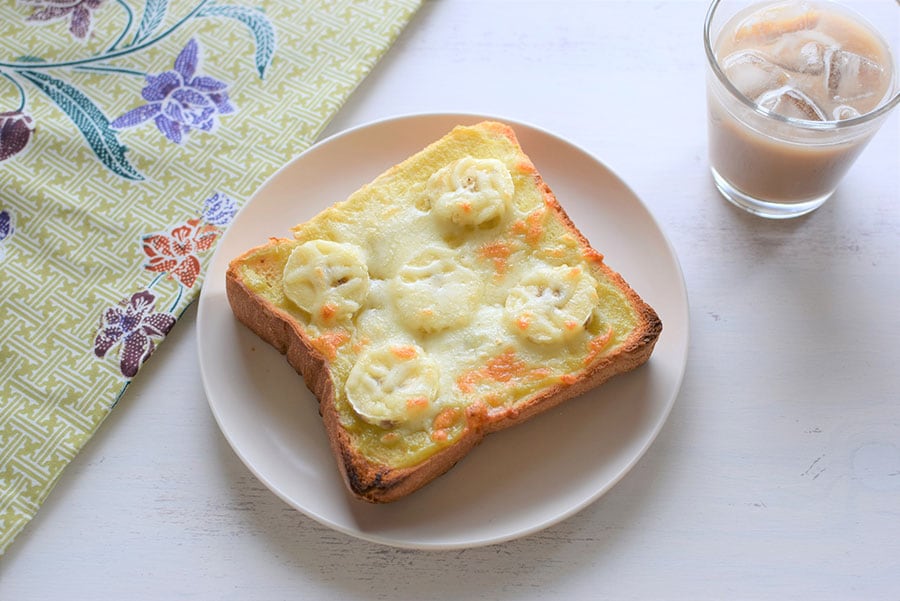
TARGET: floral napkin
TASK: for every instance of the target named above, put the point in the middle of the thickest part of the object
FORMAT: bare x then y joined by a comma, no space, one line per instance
130,134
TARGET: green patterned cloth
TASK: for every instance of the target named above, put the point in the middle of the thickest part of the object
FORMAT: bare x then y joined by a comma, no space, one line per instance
130,134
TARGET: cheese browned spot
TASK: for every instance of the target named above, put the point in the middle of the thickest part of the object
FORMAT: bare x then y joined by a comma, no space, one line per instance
504,368
497,252
328,343
531,228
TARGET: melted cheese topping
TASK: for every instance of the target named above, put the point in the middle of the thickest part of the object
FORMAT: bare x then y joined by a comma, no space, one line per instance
391,385
435,291
470,191
326,279
552,304
453,285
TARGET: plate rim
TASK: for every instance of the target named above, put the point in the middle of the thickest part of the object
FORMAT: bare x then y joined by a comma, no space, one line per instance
650,435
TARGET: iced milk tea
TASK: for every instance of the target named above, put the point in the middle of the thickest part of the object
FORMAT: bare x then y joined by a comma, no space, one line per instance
814,65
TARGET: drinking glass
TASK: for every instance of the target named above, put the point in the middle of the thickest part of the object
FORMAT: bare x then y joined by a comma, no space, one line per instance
781,166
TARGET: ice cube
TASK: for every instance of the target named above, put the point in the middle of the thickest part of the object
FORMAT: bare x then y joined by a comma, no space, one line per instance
753,72
803,52
811,58
791,102
850,76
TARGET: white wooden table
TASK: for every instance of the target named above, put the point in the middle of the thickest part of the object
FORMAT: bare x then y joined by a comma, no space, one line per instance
776,476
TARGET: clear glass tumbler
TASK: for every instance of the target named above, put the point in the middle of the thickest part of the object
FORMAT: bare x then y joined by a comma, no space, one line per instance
787,163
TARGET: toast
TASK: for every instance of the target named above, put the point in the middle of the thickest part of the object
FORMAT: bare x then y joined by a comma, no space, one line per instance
449,298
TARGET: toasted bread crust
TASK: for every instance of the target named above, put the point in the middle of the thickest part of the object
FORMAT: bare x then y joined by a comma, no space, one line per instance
381,483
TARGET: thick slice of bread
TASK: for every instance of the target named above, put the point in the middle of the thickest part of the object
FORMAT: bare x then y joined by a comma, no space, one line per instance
449,298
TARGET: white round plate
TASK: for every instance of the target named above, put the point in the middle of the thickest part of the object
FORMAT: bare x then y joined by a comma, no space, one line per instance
517,481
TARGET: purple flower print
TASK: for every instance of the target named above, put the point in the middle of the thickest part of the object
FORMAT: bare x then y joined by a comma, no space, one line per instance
135,324
7,227
79,11
178,101
219,210
15,131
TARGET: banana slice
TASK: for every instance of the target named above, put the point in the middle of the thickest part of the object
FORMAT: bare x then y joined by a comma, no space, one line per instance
329,280
552,304
434,292
393,385
470,191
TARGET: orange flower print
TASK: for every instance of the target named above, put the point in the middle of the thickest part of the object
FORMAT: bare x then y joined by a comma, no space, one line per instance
176,253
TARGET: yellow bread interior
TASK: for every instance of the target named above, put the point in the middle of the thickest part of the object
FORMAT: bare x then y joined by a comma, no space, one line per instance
452,301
